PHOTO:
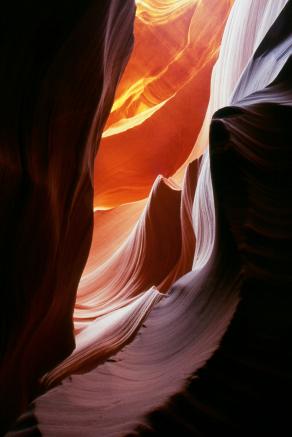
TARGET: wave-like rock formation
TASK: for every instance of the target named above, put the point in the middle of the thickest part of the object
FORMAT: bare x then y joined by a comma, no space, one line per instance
185,329
60,65
112,301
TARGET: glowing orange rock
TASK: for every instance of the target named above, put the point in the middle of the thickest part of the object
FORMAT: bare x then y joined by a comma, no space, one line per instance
162,98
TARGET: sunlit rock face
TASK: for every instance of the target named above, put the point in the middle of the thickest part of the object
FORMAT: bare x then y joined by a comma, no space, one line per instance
60,64
162,98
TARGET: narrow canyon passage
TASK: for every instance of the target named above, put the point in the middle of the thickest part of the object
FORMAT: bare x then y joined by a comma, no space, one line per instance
153,296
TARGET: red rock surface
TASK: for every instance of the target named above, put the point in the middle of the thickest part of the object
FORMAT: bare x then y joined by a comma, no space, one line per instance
60,65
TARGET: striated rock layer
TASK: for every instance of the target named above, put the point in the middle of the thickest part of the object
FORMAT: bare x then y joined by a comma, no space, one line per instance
243,250
114,299
60,64
208,351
